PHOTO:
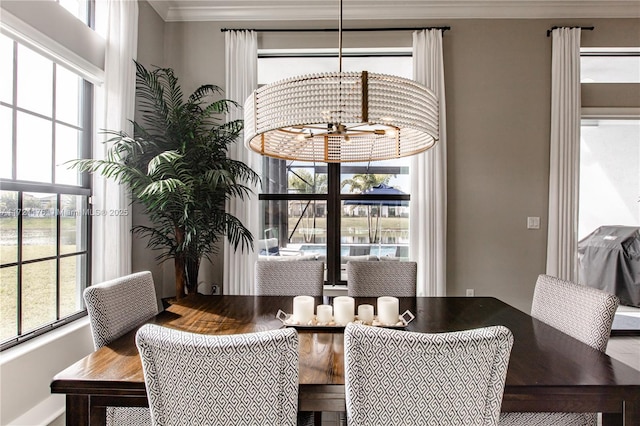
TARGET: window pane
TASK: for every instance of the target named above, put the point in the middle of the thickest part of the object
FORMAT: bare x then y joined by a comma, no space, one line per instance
609,174
6,69
9,302
77,8
38,294
34,148
68,98
67,148
35,81
610,69
8,227
272,69
374,228
72,273
356,178
73,222
38,225
6,143
298,227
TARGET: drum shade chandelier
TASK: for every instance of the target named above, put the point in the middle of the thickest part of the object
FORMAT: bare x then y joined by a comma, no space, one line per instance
341,117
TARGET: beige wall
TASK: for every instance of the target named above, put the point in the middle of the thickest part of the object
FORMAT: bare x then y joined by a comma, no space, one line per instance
498,86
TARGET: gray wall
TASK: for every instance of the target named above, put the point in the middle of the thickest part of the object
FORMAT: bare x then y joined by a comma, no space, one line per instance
498,83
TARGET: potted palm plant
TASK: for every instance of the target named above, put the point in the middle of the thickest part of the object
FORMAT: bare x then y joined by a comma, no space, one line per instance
177,169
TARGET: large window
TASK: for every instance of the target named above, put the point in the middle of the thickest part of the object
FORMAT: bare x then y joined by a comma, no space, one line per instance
334,212
45,116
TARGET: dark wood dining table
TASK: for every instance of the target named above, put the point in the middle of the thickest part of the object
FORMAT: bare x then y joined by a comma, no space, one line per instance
548,370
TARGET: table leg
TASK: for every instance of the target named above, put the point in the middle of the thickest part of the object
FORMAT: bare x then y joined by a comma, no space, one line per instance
632,412
98,416
612,419
77,410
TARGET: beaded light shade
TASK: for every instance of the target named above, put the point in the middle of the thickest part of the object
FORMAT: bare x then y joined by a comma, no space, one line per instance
341,117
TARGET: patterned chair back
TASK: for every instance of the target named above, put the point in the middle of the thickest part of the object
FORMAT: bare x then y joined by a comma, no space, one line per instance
289,278
425,379
582,312
208,380
373,279
115,307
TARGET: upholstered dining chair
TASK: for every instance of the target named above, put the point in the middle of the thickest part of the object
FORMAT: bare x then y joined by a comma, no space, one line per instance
395,377
197,379
116,307
373,279
289,278
582,312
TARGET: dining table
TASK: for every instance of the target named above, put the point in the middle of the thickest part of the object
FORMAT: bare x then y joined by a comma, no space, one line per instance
548,370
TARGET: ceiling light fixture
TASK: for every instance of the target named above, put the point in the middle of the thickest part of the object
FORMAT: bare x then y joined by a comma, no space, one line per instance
341,117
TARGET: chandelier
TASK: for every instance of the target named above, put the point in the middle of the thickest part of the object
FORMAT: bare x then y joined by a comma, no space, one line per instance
341,116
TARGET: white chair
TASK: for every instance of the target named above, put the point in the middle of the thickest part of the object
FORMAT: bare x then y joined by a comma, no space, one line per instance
242,379
395,377
289,278
582,312
373,279
116,307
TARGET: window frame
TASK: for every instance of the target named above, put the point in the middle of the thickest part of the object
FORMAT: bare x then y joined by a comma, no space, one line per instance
333,197
83,189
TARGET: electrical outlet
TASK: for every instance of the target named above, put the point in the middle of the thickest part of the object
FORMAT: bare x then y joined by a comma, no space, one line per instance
215,289
470,292
533,222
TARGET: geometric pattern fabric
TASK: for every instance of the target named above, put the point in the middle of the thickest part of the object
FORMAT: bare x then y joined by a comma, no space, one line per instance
289,278
197,379
395,377
374,279
582,312
115,307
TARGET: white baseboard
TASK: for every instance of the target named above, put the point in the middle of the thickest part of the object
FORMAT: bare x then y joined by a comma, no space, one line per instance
42,414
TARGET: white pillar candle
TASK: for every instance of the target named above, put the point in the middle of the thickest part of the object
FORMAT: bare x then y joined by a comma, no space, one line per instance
365,313
343,309
302,309
324,313
388,310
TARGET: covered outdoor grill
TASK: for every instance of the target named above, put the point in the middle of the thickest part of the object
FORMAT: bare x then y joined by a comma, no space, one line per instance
609,259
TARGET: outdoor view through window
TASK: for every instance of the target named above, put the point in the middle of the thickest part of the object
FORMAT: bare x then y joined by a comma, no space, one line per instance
44,122
296,196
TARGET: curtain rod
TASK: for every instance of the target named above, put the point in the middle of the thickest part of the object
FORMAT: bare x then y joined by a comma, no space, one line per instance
307,30
556,27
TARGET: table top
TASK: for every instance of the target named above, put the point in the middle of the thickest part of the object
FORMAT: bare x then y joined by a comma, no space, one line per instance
543,359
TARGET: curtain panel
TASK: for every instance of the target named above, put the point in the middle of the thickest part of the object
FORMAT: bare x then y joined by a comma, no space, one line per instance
428,208
564,160
241,79
115,106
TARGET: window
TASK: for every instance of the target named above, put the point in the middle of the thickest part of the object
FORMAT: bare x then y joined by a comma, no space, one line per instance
298,199
609,65
609,190
609,174
45,115
78,8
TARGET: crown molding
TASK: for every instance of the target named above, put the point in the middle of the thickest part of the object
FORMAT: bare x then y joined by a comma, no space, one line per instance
313,10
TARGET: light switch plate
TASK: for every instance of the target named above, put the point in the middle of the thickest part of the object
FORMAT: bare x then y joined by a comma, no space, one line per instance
533,222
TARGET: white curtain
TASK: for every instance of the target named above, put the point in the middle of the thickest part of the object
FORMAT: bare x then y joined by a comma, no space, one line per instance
241,71
428,211
564,159
115,106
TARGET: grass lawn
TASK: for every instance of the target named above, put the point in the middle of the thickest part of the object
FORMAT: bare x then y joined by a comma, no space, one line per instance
38,279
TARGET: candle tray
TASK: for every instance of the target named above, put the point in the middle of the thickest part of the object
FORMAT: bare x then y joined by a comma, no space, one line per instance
403,320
